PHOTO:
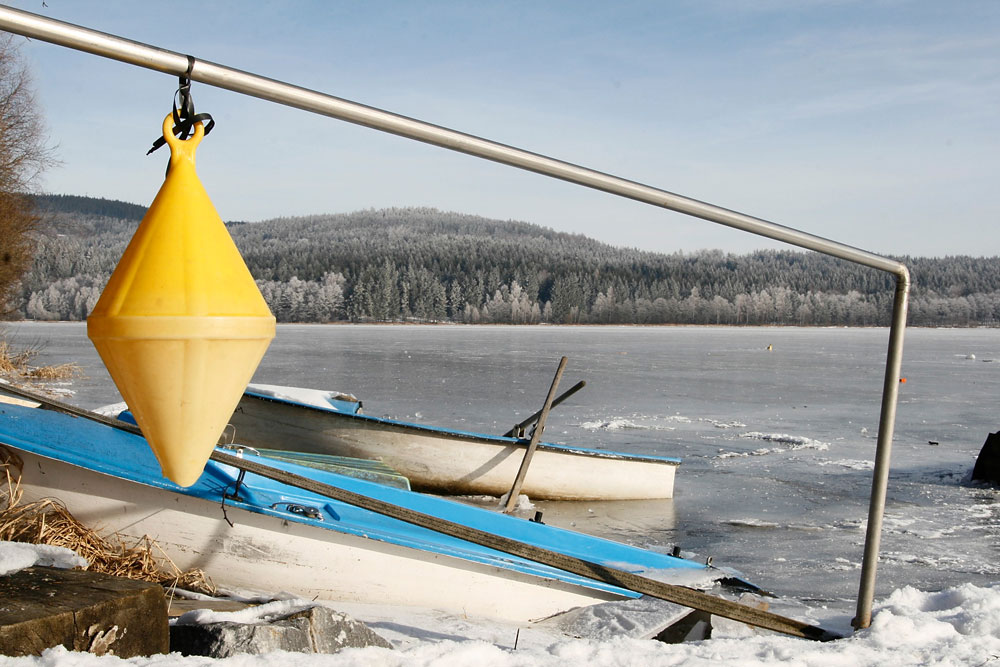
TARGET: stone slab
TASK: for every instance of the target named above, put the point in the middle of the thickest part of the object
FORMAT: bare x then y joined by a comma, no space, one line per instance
312,630
42,607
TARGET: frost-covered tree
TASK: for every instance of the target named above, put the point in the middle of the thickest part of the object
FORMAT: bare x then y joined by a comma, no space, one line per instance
23,157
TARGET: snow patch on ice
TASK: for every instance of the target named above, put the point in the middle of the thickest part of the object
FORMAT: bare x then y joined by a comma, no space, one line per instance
637,422
614,424
909,525
718,424
852,464
757,452
842,564
788,443
792,441
677,419
752,523
951,563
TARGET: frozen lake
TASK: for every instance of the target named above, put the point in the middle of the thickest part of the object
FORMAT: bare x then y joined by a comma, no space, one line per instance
776,428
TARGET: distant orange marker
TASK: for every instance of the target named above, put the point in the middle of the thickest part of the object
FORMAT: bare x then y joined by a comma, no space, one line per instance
902,380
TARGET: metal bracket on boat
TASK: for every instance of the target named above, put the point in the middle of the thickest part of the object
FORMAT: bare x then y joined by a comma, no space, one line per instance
302,510
235,495
239,449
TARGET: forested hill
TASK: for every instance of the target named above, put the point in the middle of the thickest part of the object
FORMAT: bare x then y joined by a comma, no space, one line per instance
90,207
419,264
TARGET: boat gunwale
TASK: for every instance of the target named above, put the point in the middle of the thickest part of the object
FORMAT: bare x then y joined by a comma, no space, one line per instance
472,436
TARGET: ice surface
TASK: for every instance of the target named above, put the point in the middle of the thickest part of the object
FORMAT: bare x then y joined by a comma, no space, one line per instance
791,519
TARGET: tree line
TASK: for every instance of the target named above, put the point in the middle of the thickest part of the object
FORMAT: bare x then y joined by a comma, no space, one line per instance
426,265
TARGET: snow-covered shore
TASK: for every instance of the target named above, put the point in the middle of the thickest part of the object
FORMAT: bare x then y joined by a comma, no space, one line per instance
956,626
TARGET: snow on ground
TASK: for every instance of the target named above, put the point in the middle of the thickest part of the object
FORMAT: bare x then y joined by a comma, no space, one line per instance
956,626
15,556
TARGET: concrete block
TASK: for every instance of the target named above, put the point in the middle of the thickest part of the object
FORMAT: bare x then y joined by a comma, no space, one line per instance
42,607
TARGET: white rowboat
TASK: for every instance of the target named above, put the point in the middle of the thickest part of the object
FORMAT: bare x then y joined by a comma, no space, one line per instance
442,460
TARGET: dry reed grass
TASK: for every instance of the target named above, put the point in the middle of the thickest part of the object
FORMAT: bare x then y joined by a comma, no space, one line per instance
47,521
16,363
12,360
55,372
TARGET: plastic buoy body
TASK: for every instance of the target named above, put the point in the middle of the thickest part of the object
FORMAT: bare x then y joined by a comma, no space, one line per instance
181,325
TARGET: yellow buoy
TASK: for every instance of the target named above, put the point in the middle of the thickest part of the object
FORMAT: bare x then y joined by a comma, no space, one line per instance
181,325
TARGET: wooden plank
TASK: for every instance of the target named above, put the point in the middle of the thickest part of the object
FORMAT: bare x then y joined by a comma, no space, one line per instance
10,400
634,582
49,403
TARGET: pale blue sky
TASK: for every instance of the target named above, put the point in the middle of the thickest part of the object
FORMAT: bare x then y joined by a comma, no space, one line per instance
874,123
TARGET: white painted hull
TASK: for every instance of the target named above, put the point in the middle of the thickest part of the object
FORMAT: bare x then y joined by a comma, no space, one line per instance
270,554
449,462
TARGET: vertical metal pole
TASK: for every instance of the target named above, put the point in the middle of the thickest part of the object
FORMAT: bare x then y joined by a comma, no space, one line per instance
883,450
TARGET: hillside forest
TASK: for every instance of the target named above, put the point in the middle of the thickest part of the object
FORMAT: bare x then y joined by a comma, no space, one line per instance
426,265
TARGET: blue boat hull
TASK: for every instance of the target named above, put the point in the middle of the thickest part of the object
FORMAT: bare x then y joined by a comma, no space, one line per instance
287,539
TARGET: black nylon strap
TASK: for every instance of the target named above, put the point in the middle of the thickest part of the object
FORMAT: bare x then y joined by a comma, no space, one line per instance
184,114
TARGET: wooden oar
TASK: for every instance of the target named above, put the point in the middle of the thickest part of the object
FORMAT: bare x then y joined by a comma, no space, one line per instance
682,595
519,428
536,435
